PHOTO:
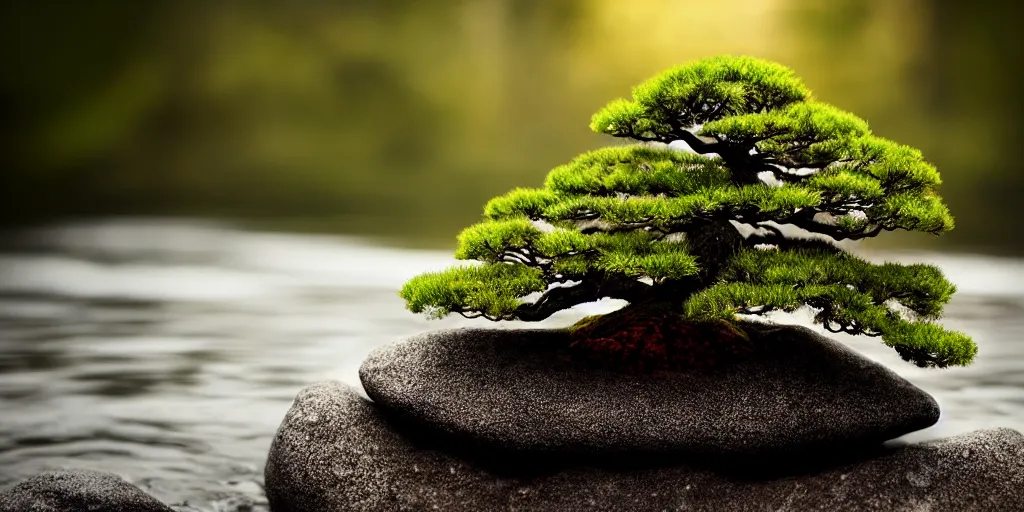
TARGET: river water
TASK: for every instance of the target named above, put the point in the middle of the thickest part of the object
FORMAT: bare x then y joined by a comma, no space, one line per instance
168,352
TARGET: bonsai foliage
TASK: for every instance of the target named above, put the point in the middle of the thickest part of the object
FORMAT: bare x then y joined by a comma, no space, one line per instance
743,223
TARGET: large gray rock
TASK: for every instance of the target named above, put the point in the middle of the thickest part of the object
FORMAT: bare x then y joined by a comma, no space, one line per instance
336,451
78,491
520,390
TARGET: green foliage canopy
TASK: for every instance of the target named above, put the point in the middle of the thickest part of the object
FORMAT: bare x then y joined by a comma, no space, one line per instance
742,224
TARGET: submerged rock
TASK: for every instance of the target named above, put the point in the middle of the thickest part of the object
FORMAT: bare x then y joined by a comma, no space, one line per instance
523,390
337,451
78,491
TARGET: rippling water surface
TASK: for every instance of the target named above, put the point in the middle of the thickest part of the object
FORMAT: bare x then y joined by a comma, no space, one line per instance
168,352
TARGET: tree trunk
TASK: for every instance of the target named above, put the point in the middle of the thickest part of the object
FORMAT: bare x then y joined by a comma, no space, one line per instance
713,243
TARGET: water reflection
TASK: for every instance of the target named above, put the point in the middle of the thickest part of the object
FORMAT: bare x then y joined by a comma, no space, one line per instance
168,352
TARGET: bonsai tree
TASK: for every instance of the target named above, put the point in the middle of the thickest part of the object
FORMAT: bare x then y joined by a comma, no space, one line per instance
744,222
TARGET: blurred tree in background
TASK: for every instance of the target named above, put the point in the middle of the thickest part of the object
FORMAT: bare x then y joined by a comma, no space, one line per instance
399,118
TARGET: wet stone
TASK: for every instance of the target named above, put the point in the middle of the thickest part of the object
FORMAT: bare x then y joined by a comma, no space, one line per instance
523,390
359,458
78,491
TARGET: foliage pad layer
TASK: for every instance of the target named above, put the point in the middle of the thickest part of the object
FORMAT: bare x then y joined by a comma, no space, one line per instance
743,220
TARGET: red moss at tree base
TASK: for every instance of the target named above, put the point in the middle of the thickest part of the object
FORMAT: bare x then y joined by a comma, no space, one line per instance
651,339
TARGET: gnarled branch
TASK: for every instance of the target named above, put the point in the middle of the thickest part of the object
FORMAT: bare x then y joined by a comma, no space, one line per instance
590,289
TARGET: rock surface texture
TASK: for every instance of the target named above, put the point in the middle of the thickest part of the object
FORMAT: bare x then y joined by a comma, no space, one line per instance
519,390
78,491
337,451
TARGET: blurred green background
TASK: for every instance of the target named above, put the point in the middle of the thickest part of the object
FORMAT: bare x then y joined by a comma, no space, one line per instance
400,118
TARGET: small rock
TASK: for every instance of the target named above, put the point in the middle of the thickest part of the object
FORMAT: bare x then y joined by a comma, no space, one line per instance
522,390
78,491
411,471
